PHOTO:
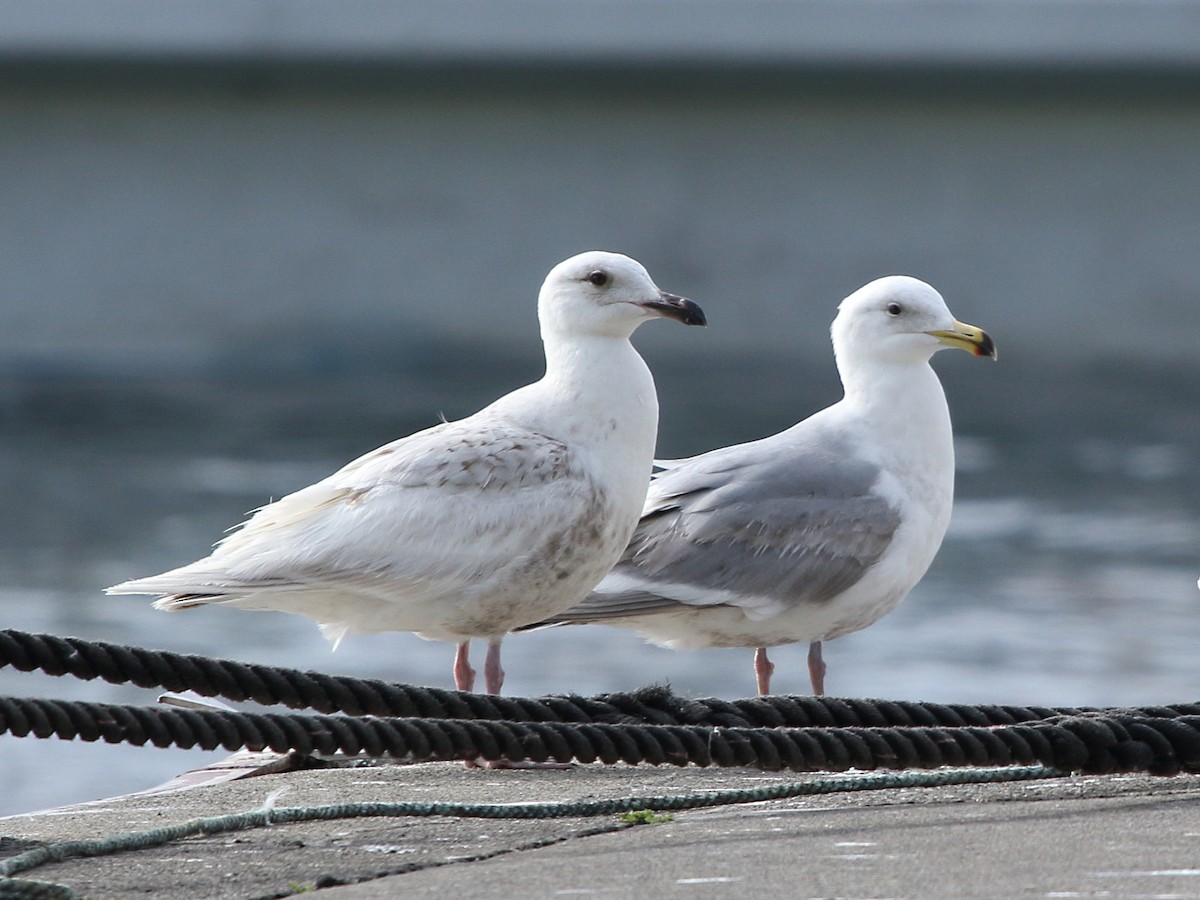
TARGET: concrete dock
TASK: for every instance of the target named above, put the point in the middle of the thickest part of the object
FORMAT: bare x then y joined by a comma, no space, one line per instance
1082,836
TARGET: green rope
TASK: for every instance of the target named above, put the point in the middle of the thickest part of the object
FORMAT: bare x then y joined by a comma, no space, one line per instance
16,889
155,837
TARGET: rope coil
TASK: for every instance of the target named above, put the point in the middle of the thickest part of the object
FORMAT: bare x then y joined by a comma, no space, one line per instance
651,726
273,686
1089,744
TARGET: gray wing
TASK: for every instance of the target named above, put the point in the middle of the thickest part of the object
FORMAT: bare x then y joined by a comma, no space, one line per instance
761,526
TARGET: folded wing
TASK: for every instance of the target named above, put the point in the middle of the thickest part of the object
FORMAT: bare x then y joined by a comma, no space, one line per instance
413,512
760,526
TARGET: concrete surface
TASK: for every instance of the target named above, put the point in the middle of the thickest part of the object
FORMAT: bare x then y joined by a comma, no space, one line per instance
1074,837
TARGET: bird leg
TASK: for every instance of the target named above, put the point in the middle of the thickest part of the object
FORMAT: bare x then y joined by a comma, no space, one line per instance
464,675
494,676
464,680
763,668
816,669
492,673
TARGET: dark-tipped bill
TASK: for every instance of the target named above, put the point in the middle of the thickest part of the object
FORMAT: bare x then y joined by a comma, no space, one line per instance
681,309
968,337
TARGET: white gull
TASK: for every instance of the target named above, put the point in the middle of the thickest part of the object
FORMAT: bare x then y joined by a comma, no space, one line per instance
814,532
472,527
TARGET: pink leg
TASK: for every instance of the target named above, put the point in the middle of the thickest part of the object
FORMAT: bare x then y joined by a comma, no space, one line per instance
464,678
494,676
816,669
763,668
492,673
464,675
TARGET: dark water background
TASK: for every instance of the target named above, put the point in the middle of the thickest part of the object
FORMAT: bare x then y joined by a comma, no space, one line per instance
1068,576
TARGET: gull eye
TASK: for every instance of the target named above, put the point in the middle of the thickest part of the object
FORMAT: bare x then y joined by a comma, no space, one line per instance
894,308
599,277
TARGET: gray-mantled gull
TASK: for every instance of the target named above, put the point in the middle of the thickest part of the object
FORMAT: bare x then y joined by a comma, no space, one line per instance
814,532
470,528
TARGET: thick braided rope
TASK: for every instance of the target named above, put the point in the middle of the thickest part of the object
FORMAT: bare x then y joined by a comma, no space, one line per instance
1094,744
270,686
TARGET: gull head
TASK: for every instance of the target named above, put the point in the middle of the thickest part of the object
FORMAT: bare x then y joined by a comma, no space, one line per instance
606,294
901,319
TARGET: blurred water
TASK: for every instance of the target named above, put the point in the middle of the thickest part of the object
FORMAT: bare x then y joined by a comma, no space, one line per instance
1068,577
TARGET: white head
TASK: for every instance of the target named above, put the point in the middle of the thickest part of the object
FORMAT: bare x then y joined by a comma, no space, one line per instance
606,294
899,319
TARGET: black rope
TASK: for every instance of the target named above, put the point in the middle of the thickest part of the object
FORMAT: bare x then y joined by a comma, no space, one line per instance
1090,744
650,726
269,686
